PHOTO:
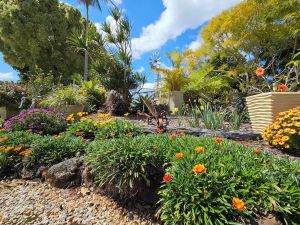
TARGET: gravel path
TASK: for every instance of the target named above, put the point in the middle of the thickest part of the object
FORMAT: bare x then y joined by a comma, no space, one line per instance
29,202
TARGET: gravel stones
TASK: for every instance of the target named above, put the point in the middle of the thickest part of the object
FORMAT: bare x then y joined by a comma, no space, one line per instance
27,203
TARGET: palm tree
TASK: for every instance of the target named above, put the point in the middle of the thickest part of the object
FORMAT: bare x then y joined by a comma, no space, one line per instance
87,4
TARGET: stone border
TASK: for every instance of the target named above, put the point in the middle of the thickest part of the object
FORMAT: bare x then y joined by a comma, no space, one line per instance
234,135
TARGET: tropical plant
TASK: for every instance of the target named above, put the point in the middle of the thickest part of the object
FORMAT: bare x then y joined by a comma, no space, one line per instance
87,4
174,79
284,132
64,96
42,121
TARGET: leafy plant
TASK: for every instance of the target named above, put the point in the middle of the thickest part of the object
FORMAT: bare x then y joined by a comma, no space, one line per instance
236,119
64,96
213,119
127,166
49,150
118,128
284,132
215,181
85,128
12,144
42,121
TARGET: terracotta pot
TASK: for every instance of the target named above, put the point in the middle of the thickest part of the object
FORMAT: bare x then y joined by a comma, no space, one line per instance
73,109
263,108
8,111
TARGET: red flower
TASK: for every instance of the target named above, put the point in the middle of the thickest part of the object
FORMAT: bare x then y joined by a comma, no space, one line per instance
218,140
160,131
260,71
80,133
174,136
167,178
282,88
257,151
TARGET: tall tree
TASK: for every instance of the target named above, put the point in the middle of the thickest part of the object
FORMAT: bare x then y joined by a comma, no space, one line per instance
34,33
87,4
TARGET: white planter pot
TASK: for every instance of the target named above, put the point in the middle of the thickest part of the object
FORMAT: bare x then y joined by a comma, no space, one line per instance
175,99
263,108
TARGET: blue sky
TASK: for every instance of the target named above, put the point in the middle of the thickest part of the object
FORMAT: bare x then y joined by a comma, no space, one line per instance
158,25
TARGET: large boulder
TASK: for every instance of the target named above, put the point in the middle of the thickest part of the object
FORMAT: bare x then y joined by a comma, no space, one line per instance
65,174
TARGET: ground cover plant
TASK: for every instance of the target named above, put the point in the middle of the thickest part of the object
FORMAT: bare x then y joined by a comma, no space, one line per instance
41,121
206,181
14,146
284,132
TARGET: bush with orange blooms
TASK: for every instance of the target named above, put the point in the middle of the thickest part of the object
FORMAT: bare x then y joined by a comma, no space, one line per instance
284,132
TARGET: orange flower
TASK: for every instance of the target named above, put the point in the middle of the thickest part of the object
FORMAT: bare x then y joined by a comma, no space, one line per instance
257,151
282,88
18,149
9,148
260,71
167,178
179,155
218,140
26,152
199,169
238,204
2,148
199,149
174,136
21,145
180,133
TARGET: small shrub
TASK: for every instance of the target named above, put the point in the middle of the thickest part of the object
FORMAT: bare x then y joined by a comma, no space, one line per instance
117,128
284,132
42,121
12,147
49,150
95,94
129,165
84,128
220,182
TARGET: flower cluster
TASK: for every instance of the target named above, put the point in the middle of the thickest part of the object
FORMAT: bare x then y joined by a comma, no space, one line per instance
41,121
284,132
20,149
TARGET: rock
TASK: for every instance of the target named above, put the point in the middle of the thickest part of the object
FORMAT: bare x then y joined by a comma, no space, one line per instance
269,220
65,174
27,174
87,177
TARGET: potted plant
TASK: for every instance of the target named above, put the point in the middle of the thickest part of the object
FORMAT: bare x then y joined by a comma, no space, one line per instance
264,107
10,97
174,79
66,99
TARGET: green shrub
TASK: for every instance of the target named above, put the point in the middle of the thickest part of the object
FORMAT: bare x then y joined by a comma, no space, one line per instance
117,129
263,182
85,128
127,164
11,145
49,150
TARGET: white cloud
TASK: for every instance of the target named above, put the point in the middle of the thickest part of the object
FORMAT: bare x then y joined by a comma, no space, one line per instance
8,76
178,17
149,86
196,44
141,69
118,2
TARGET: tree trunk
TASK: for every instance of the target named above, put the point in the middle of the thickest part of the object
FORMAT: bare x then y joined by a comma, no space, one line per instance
86,56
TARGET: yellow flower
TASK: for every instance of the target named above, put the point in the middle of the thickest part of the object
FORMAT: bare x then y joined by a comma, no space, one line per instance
80,114
4,139
199,149
292,131
125,125
286,138
175,110
238,204
286,146
126,114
